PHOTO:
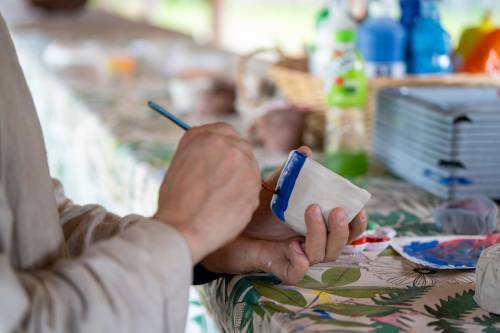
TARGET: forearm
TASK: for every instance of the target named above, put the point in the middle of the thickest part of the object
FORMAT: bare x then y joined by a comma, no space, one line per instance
242,255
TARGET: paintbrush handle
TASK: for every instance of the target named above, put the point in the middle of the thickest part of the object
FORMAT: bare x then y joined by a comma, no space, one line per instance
161,110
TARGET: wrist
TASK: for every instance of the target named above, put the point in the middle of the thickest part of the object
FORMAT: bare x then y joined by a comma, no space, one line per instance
264,257
192,242
238,257
191,239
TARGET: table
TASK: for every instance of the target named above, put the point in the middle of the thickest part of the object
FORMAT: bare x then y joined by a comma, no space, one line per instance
108,148
356,294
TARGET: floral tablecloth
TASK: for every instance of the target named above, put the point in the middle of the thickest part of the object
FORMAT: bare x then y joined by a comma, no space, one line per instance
356,294
106,147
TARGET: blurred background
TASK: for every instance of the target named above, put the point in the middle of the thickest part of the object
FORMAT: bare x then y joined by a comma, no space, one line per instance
283,73
400,96
243,25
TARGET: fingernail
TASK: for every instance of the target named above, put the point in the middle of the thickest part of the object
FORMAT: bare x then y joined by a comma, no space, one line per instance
317,214
342,216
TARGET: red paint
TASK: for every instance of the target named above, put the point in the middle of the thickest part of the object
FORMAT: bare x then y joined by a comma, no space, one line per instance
359,241
376,239
370,239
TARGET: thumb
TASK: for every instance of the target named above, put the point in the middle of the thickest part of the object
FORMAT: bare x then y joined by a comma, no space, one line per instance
273,179
305,150
287,261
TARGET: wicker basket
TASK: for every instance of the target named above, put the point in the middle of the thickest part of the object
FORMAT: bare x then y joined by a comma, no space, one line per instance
299,87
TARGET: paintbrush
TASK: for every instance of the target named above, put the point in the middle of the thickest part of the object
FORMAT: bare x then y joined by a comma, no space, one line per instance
179,122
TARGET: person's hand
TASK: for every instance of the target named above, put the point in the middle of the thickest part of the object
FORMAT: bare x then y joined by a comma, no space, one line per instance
211,188
271,246
321,243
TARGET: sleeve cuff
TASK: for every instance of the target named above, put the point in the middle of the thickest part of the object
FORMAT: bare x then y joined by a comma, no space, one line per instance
201,275
170,260
166,246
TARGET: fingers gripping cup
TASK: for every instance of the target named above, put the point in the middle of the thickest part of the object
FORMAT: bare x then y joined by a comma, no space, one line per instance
303,182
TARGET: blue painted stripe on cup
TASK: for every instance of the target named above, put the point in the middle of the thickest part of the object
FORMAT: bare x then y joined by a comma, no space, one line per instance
286,184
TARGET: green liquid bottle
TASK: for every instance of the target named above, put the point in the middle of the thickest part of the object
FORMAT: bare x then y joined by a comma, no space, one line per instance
346,87
345,142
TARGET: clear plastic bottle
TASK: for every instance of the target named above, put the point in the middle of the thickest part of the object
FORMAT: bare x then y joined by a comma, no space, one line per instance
332,18
346,87
319,52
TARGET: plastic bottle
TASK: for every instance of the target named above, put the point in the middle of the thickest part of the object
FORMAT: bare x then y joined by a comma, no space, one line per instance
346,88
320,51
382,42
345,84
345,142
471,36
429,43
485,58
410,11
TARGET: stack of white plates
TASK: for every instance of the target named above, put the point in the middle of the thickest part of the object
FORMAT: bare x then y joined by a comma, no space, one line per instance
443,139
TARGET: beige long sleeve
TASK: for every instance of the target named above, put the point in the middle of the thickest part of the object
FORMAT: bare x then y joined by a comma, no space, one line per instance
69,268
129,275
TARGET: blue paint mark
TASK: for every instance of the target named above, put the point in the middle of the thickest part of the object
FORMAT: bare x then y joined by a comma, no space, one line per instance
323,313
286,184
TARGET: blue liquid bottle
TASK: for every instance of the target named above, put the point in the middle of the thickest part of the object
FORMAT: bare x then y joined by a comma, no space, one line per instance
429,44
410,11
382,42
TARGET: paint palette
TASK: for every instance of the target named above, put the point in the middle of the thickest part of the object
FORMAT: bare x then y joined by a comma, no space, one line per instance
444,252
443,139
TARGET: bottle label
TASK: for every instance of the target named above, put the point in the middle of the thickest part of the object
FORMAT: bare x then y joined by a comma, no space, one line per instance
346,82
341,65
343,62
